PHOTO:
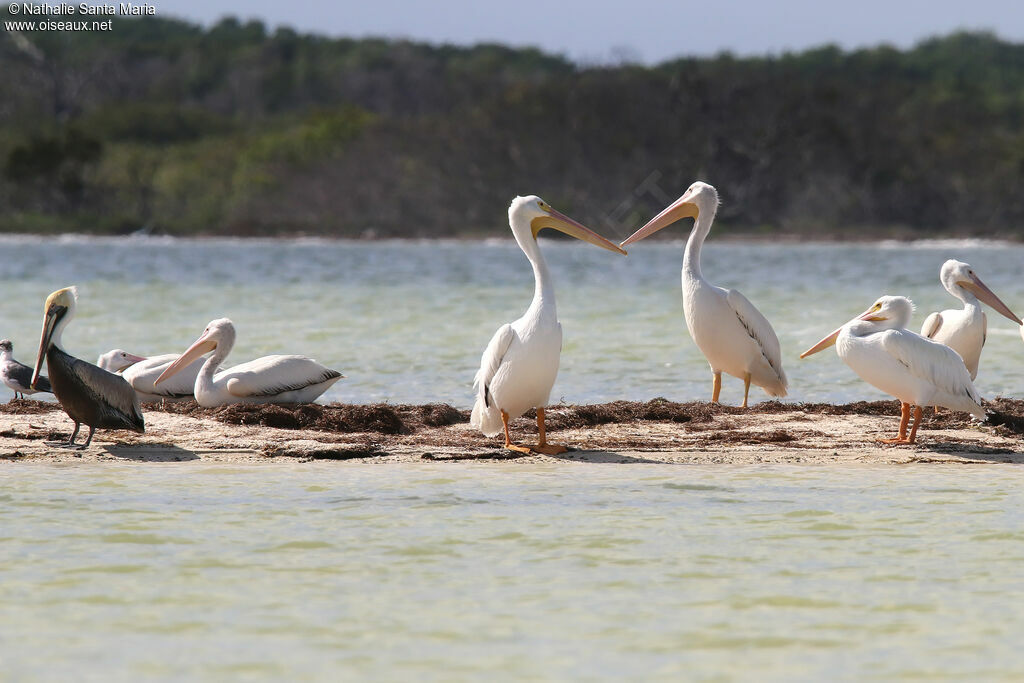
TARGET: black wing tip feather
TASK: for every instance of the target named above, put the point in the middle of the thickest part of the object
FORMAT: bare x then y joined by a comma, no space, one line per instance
325,376
23,375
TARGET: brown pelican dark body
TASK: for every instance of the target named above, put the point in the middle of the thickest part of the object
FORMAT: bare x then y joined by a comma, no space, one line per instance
88,394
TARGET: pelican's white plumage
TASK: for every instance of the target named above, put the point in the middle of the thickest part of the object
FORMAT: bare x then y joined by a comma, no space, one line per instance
916,370
964,329
142,372
270,379
729,330
519,365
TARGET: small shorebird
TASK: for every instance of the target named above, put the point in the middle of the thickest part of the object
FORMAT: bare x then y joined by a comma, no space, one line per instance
914,369
88,394
141,372
270,379
18,376
729,330
520,363
964,329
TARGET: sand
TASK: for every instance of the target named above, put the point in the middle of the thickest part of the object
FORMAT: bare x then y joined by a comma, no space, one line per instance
654,432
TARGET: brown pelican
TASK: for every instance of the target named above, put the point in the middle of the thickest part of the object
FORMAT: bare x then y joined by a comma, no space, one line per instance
270,379
141,372
18,376
88,394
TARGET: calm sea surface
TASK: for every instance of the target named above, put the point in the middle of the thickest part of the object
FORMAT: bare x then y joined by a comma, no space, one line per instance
501,571
324,571
407,321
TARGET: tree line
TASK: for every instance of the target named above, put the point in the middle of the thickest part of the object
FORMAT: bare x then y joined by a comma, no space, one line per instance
165,126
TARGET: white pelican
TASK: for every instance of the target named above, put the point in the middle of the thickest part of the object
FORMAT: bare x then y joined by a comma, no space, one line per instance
270,379
520,363
730,332
141,372
964,330
914,369
116,360
88,394
18,376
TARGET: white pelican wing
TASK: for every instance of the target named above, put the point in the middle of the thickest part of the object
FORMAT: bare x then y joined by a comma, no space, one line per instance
759,329
931,325
272,375
930,361
494,354
143,374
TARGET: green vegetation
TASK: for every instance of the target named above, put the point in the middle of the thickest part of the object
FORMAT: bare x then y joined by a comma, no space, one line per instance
165,126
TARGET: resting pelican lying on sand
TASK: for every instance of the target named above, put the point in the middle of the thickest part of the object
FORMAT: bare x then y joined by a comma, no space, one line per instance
141,372
730,332
964,329
270,379
916,370
88,394
520,363
18,376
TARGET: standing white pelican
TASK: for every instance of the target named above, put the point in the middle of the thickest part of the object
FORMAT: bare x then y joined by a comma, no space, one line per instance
730,332
88,394
270,379
964,330
18,376
141,372
914,369
520,363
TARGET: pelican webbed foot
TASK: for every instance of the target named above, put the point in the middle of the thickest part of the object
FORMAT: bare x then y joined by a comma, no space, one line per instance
549,449
902,438
70,443
508,440
542,441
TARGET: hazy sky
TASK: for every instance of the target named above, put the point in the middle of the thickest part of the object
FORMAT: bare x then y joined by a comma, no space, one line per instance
651,30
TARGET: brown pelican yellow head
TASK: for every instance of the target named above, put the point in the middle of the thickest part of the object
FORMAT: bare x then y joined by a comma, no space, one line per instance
57,312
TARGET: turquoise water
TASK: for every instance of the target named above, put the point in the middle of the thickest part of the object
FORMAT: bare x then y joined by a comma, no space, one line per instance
191,571
329,571
407,321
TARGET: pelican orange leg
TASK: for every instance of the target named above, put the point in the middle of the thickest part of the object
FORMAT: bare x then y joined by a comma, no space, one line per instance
716,387
746,389
918,414
508,441
902,437
542,441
